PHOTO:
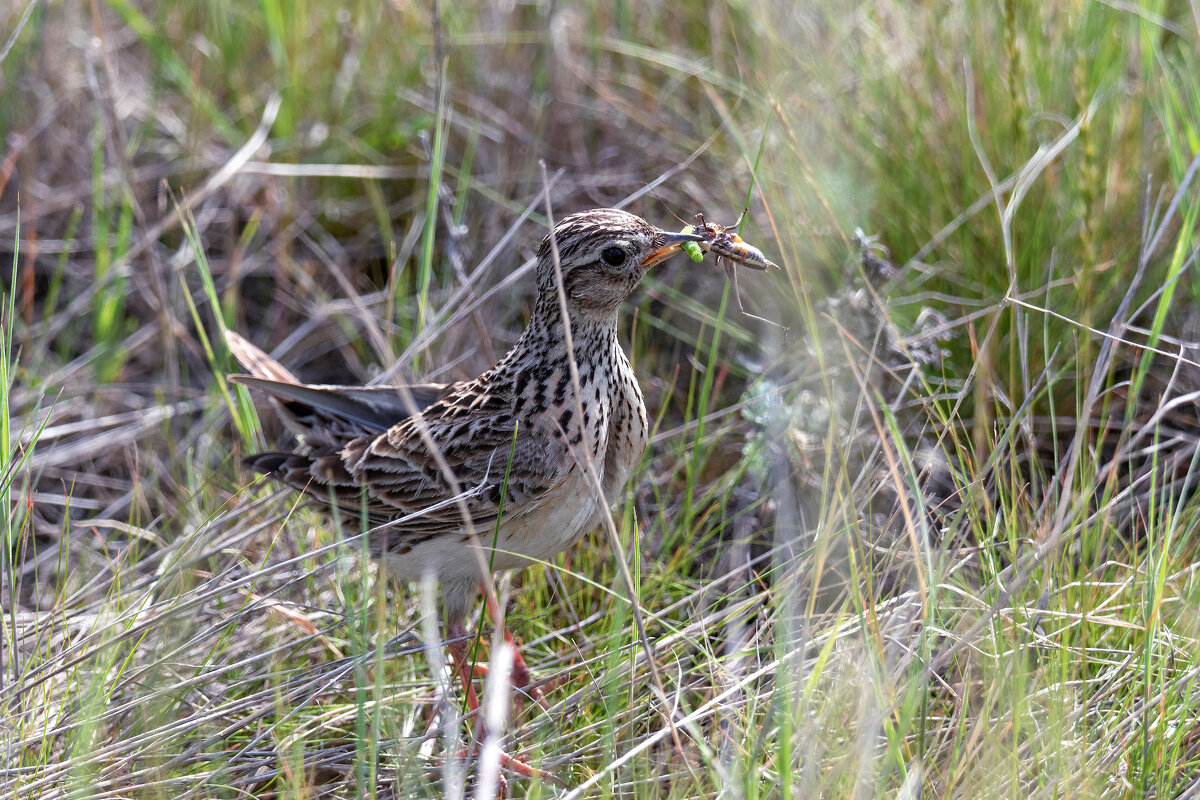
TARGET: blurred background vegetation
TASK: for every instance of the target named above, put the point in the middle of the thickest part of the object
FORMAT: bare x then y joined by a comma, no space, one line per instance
937,540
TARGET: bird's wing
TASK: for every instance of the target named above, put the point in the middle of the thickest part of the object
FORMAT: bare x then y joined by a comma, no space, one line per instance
368,448
464,455
475,469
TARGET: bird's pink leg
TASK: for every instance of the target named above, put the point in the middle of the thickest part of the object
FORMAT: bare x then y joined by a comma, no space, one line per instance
457,635
522,676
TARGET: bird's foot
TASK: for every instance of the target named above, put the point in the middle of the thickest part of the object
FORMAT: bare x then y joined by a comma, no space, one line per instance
521,678
516,764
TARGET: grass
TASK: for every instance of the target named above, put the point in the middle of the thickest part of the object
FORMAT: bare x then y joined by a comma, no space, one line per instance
937,541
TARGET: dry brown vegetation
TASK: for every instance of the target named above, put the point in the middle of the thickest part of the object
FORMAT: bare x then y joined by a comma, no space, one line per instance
936,541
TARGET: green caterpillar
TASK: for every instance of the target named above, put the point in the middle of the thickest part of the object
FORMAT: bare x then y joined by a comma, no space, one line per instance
692,248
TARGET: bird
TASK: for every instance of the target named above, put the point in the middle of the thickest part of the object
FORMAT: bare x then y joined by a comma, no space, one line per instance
498,472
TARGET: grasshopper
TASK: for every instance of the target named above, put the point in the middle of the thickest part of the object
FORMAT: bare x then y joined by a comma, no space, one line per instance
724,243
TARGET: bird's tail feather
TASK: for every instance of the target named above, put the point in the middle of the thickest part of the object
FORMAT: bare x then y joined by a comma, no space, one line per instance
255,361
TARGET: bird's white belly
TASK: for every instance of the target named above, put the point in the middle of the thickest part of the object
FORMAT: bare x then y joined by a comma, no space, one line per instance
549,528
538,533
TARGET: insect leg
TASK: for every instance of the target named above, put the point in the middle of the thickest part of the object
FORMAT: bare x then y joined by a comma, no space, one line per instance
737,226
731,273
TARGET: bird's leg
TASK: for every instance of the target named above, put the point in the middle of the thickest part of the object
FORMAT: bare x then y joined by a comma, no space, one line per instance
456,635
521,676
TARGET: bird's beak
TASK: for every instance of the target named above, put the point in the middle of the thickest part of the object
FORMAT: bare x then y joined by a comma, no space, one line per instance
666,245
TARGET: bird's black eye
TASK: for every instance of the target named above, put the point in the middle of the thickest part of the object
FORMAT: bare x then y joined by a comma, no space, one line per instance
613,256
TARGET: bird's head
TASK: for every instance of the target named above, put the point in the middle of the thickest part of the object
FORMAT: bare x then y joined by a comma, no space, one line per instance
603,255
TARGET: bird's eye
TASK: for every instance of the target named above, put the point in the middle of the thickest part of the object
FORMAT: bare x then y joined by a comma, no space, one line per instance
613,256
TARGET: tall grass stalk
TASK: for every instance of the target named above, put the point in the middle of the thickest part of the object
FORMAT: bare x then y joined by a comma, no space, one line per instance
939,541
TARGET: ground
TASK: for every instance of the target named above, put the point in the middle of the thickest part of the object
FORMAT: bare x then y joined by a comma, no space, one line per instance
936,540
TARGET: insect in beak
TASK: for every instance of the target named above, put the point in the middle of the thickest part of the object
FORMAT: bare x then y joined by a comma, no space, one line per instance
667,245
724,243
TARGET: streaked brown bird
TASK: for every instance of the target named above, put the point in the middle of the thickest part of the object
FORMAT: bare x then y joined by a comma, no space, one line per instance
500,471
